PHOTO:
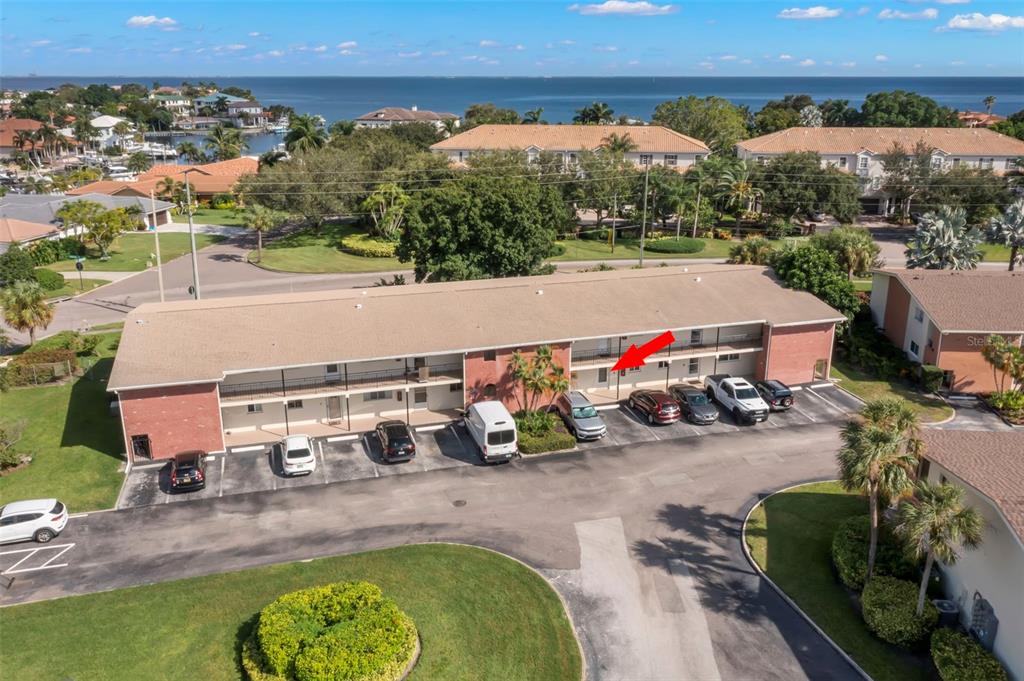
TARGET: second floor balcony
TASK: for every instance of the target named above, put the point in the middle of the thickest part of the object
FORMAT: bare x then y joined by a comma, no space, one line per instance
710,345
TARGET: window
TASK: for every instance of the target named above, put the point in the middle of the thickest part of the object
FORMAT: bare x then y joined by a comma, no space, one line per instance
490,355
419,396
254,408
698,158
763,160
862,162
986,163
915,349
572,159
602,375
671,159
694,368
375,396
663,365
332,368
729,357
455,388
696,335
645,159
295,404
633,370
956,163
842,161
923,468
918,314
936,163
1011,164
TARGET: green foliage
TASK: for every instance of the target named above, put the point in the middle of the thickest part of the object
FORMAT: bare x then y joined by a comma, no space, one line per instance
850,553
902,109
16,264
930,377
812,269
40,365
1008,230
341,631
796,184
49,251
943,240
80,344
751,251
541,431
222,201
479,114
48,279
681,244
1009,403
980,193
366,246
714,120
1013,126
853,247
959,657
888,606
723,234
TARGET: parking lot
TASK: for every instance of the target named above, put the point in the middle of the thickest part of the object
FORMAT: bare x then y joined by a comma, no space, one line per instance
451,446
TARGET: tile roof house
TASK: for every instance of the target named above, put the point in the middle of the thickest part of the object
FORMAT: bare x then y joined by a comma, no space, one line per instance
206,179
979,119
9,127
394,115
22,231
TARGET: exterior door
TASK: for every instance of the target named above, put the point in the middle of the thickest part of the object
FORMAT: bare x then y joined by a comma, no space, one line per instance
334,409
140,446
820,369
419,397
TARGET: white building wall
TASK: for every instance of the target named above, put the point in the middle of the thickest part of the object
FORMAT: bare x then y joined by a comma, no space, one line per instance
917,331
879,296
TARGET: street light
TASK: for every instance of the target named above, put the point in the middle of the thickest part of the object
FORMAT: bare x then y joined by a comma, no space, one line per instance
192,235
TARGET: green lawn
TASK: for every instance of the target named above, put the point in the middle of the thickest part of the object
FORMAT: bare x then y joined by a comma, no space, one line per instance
995,253
319,252
72,287
861,284
110,326
868,387
480,616
585,249
790,535
134,252
75,443
212,216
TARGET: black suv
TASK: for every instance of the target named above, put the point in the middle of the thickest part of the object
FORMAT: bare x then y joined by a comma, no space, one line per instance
188,471
396,441
776,393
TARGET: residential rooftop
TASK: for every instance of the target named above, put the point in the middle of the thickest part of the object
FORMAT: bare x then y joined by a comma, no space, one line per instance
42,208
953,141
400,115
647,138
12,229
207,178
976,301
195,342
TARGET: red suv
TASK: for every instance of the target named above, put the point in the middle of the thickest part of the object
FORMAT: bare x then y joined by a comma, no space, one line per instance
657,405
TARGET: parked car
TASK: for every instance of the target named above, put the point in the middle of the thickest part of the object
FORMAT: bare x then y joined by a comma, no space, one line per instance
580,416
657,405
297,457
737,397
188,471
776,393
695,405
493,429
396,441
38,519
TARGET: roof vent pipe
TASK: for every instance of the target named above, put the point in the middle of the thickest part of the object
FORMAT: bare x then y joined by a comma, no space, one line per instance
540,292
697,279
359,306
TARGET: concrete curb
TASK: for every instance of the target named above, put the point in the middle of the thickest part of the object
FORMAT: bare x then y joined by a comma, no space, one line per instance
781,593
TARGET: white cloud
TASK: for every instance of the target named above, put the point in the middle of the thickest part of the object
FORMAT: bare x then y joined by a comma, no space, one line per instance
470,57
640,8
957,63
727,57
930,13
816,12
567,43
861,11
439,53
706,65
785,57
320,48
40,43
746,61
918,66
807,62
849,64
346,53
80,50
176,50
490,62
163,23
518,47
976,21
828,62
275,53
632,62
605,48
489,43
254,34
234,47
348,45
881,57
410,55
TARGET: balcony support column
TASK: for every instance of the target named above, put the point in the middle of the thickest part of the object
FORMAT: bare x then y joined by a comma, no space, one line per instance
618,375
287,428
346,378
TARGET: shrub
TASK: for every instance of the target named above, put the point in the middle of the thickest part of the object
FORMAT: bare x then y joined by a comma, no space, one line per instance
222,201
367,247
48,279
850,553
723,234
930,377
40,365
1009,403
683,244
594,234
556,250
16,264
889,606
553,441
65,340
959,657
347,630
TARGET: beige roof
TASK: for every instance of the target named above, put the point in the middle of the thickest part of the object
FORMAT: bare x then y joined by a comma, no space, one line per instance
185,342
974,300
992,462
963,141
21,230
648,138
397,113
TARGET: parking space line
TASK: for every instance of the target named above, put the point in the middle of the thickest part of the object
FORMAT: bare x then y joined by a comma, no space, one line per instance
30,553
805,414
828,402
695,429
323,461
220,484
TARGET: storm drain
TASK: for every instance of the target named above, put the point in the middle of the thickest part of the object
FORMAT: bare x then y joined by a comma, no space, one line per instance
459,503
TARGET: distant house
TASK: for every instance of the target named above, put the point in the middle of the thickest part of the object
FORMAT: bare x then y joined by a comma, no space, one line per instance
199,123
23,232
177,104
654,145
213,100
207,179
9,127
394,115
979,119
41,209
860,151
987,583
247,114
104,127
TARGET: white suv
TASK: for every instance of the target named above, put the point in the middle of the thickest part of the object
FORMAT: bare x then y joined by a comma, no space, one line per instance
39,519
297,456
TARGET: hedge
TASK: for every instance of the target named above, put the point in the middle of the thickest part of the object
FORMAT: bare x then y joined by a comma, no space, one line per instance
889,604
556,250
343,631
959,657
48,251
683,244
48,279
366,246
36,366
549,442
850,553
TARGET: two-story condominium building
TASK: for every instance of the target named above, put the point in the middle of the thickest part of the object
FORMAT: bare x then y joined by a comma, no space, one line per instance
655,145
235,372
943,317
860,151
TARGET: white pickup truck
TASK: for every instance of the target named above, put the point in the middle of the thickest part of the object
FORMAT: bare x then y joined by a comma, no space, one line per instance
736,396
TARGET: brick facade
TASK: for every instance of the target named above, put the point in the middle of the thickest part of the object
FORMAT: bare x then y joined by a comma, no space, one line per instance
897,307
176,419
487,379
961,354
791,352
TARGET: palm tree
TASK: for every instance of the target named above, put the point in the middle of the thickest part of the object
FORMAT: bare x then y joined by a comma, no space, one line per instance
225,143
934,523
25,138
1008,229
269,158
989,102
304,134
617,144
25,307
705,177
84,132
532,117
595,114
751,251
261,219
171,190
37,185
451,126
879,454
122,129
736,188
138,162
942,240
191,152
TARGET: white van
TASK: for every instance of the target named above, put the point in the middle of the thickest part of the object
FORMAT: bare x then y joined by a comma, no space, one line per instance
493,429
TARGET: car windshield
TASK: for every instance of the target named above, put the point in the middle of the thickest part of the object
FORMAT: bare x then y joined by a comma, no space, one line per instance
587,412
501,437
746,394
697,399
297,454
399,440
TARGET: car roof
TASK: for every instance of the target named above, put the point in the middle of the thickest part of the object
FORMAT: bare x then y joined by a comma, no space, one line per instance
688,389
491,410
390,424
774,383
296,441
578,399
27,506
194,454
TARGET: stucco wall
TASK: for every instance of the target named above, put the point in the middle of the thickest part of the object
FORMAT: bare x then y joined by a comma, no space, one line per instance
176,419
897,307
791,352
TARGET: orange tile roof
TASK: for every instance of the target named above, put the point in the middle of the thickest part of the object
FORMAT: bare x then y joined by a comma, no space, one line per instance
648,138
209,178
10,126
965,141
20,230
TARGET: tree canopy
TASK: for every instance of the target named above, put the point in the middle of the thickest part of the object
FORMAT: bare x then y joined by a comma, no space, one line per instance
902,109
714,120
815,270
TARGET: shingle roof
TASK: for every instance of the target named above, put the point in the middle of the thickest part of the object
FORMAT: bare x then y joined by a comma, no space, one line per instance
397,113
992,462
976,300
648,138
964,141
42,208
167,343
12,229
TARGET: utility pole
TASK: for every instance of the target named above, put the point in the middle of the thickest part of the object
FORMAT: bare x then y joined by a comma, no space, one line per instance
643,222
192,236
156,237
615,210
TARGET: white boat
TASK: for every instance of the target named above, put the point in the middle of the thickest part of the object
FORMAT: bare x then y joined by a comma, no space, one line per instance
280,127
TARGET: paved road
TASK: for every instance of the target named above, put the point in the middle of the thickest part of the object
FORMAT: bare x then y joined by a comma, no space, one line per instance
642,540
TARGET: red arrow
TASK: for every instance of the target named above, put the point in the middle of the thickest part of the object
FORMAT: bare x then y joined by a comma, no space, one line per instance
635,356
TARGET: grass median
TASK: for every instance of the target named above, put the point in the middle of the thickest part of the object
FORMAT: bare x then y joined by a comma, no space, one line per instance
135,252
868,388
226,217
480,616
319,252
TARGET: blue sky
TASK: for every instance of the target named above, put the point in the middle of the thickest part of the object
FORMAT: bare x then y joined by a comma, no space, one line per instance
513,38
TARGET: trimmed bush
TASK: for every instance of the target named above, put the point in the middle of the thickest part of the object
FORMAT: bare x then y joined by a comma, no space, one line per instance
48,279
222,201
366,246
723,234
16,264
683,244
556,250
553,441
850,553
888,605
40,365
343,631
931,378
959,657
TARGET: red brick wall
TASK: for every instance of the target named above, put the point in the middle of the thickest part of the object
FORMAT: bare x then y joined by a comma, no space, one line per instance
961,354
791,351
481,373
177,418
897,306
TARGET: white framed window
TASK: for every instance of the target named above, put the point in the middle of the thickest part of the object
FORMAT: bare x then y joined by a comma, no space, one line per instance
936,162
671,159
986,163
663,365
915,349
696,335
694,368
729,357
862,162
763,160
645,159
1011,163
633,370
602,375
490,355
918,314
375,396
254,408
697,158
295,404
956,163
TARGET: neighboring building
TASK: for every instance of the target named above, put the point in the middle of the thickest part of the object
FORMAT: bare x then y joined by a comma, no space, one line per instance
988,582
199,123
8,128
979,119
236,372
177,104
860,150
213,100
943,317
247,114
207,179
41,209
23,232
104,126
655,145
393,115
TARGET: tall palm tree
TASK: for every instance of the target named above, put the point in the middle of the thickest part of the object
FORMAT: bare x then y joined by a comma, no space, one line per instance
25,307
304,134
84,132
532,117
989,102
705,177
596,114
617,144
270,158
751,251
1008,229
122,129
191,152
138,162
37,185
935,523
172,190
879,455
26,138
261,219
736,187
225,143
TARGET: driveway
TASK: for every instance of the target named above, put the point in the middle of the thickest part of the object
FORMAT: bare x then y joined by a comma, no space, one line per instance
971,413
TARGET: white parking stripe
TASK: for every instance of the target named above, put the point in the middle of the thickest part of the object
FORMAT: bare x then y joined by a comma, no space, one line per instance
828,402
220,484
805,414
695,429
323,462
31,553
